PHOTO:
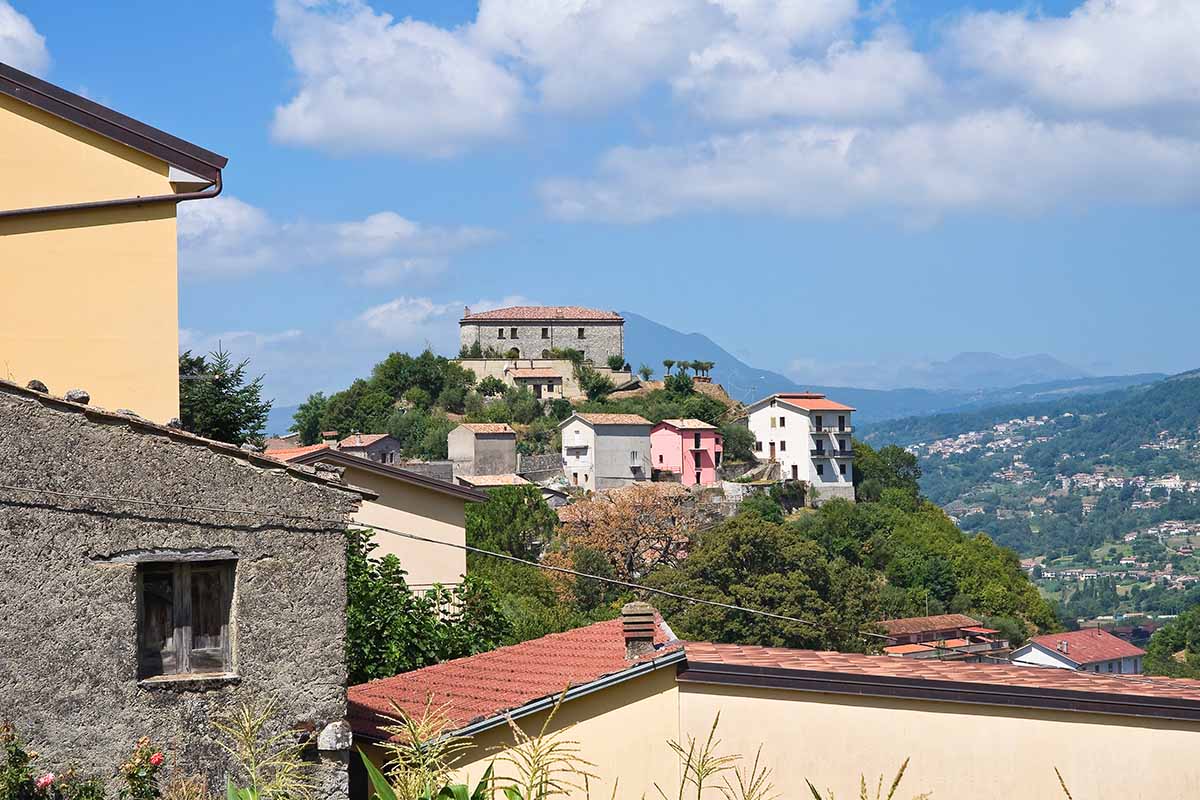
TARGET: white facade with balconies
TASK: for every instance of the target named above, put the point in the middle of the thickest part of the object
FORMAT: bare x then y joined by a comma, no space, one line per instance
809,436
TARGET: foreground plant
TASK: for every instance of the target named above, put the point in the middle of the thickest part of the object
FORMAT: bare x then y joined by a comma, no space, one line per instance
546,764
862,791
421,754
140,772
270,764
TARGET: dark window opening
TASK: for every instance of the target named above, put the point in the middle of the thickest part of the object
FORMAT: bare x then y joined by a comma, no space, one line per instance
500,333
545,333
579,333
697,477
512,333
696,440
842,468
782,421
782,446
184,618
820,469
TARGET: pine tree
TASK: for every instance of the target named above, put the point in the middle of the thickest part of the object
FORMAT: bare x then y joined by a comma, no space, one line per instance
216,402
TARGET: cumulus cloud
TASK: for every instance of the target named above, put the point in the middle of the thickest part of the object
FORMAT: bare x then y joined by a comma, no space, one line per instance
227,237
1006,159
1106,55
369,83
20,43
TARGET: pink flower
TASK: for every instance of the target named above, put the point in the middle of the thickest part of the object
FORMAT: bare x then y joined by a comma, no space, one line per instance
156,759
44,782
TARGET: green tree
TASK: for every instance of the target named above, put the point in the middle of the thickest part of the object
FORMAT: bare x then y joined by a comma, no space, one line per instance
514,520
390,630
491,386
1174,648
667,364
595,385
307,419
737,442
616,363
646,372
889,467
216,402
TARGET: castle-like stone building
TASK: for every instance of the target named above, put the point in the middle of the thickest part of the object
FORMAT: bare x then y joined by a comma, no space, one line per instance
533,331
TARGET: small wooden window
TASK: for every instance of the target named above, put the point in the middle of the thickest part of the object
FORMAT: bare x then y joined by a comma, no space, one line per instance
782,421
512,333
184,618
579,333
782,445
758,447
500,333
545,333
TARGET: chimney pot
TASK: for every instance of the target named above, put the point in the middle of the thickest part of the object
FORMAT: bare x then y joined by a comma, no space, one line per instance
638,624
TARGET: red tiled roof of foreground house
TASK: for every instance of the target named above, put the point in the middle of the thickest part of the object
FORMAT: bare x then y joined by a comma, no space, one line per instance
1089,646
811,401
935,670
938,622
614,419
362,439
689,424
543,313
488,427
490,684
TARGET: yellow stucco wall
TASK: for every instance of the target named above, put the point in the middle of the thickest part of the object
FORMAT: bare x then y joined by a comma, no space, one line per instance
424,512
622,730
90,299
957,750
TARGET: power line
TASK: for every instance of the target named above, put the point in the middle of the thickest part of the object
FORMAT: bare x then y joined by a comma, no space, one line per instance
468,548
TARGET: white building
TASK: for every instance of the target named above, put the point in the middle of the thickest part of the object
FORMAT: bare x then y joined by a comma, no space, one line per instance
1090,650
605,451
808,435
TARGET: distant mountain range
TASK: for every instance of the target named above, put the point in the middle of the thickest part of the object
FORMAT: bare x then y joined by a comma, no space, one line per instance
966,381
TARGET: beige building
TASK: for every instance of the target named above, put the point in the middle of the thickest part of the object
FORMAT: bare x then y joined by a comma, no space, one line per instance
87,237
826,717
407,502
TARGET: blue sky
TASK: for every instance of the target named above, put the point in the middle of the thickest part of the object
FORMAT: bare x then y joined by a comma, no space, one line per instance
822,187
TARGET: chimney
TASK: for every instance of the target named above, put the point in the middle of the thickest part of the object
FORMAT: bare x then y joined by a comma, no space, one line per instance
637,624
329,438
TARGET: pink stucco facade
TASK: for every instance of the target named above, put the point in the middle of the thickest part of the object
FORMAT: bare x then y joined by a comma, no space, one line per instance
682,447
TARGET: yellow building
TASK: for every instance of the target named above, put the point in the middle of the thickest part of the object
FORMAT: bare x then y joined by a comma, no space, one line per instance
996,730
409,502
88,246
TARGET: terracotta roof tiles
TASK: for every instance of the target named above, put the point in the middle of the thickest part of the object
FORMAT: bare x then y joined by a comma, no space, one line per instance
1089,646
362,439
544,314
614,419
938,622
689,424
488,427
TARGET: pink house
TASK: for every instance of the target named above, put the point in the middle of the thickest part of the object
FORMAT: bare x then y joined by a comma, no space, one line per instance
689,447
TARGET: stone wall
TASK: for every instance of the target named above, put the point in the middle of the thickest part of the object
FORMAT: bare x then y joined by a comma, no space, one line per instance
69,605
600,339
438,470
540,468
497,367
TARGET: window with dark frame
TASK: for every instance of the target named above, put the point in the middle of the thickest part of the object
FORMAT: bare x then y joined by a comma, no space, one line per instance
500,333
545,333
758,447
512,333
580,333
184,618
782,421
782,445
820,469
842,468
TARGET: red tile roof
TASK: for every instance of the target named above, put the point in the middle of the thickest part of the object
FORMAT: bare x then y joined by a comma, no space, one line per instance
930,669
811,401
522,373
490,684
689,424
362,439
905,649
289,453
614,419
543,314
488,427
938,622
1089,646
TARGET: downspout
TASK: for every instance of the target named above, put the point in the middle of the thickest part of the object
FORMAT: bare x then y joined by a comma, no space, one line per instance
179,197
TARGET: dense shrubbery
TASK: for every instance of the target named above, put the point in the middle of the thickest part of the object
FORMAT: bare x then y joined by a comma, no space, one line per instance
1175,648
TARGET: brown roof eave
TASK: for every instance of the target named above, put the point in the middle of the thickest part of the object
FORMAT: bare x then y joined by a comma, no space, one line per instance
358,462
944,691
111,124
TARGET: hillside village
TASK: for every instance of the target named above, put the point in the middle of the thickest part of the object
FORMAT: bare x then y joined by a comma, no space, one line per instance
531,569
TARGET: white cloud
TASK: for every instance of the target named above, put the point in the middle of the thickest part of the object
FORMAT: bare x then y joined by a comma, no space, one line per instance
738,82
405,318
1005,159
368,83
20,43
1106,55
226,237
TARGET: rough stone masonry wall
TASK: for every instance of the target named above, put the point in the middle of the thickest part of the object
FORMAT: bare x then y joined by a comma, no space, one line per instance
68,631
601,339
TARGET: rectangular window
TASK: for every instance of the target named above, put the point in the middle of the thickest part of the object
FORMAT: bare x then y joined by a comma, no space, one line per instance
545,333
817,422
782,445
633,458
579,333
718,461
782,420
841,422
512,333
758,447
184,618
842,468
773,422
795,472
820,469
660,458
500,333
696,441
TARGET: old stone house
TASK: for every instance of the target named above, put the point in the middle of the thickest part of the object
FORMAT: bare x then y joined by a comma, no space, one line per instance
482,448
152,579
605,451
533,331
380,447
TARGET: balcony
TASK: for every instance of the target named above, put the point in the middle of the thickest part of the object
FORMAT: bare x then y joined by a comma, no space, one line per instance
820,453
833,429
847,453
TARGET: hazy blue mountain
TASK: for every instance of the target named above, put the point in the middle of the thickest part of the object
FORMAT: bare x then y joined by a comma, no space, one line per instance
970,371
649,342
